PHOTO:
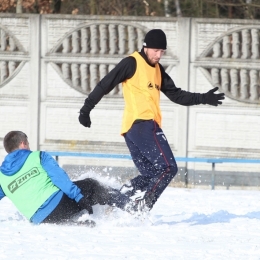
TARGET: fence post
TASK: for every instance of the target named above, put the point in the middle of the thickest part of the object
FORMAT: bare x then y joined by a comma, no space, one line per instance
213,176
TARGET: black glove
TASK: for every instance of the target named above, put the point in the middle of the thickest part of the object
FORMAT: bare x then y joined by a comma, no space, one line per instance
84,118
213,99
84,112
86,203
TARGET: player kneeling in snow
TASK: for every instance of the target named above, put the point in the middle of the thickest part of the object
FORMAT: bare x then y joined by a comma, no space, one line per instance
42,191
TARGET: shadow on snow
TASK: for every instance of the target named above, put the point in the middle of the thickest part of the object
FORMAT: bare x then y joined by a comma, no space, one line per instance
221,216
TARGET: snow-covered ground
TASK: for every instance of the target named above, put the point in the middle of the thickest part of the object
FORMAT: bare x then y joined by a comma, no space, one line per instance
184,224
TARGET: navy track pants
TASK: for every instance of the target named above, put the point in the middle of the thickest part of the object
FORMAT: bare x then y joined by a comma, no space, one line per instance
152,156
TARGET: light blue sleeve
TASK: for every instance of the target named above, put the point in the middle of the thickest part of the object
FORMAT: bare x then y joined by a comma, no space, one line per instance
2,194
59,177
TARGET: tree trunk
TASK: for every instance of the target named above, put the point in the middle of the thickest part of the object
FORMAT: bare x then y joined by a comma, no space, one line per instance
166,8
248,10
92,7
230,12
178,8
57,6
217,11
19,8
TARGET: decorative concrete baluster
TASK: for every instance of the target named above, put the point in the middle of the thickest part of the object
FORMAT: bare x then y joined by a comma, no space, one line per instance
140,38
4,71
75,74
245,44
75,42
84,77
226,47
12,45
215,76
258,91
103,35
115,90
216,50
234,82
66,45
11,67
102,71
94,47
84,40
131,39
235,45
120,89
93,70
224,80
112,39
65,68
254,85
3,40
255,43
244,81
122,39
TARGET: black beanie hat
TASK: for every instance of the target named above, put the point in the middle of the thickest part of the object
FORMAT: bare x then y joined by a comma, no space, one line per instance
155,39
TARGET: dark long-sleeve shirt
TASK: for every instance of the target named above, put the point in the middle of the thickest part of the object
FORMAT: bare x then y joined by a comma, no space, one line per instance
125,69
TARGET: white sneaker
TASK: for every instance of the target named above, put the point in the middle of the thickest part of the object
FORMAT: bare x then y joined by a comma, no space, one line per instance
127,189
138,195
137,205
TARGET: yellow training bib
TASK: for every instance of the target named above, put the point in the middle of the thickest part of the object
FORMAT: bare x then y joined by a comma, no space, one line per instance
142,94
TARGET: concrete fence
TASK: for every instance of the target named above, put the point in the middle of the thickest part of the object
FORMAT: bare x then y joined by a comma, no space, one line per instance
49,64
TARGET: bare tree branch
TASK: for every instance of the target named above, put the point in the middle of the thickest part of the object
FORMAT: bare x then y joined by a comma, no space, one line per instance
232,4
